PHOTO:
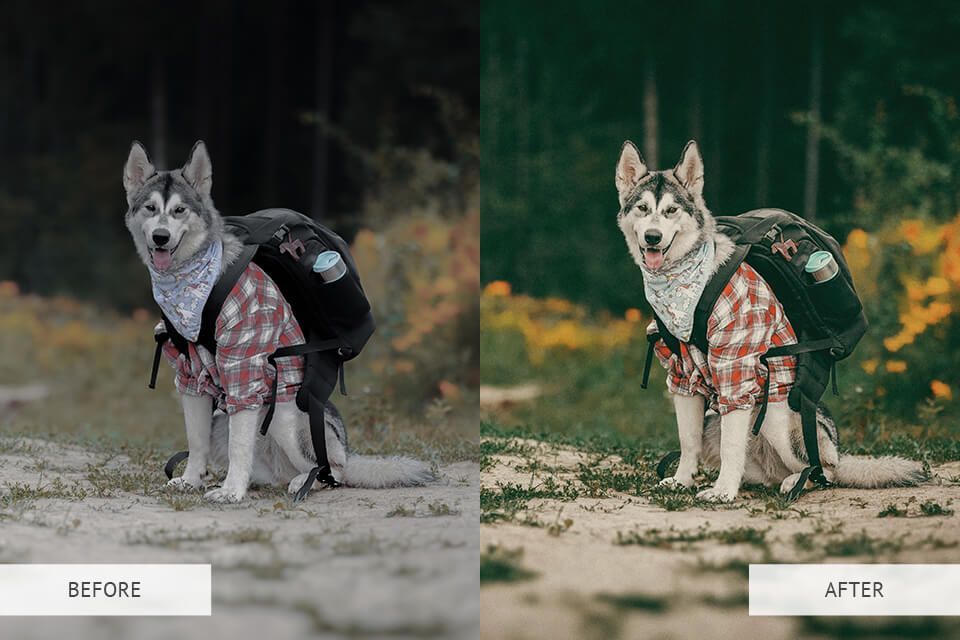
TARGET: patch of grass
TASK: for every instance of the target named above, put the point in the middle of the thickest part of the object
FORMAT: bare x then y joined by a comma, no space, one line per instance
874,628
558,526
736,600
931,508
170,539
635,602
364,546
633,449
667,539
401,511
508,499
20,494
892,511
249,535
862,544
498,564
673,499
434,509
736,566
598,482
804,541
179,501
438,508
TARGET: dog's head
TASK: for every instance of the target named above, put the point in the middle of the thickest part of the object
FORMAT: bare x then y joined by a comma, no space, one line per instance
662,213
171,215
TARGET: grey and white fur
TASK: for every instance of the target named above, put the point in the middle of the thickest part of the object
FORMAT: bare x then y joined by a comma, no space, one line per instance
663,217
171,217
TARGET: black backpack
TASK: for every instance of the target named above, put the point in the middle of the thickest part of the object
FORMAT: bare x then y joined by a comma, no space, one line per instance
827,316
335,317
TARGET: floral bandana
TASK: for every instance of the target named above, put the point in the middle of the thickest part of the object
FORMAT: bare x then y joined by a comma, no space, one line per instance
182,291
674,292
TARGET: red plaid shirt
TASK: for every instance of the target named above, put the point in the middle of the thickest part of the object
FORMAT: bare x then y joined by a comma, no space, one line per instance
255,320
746,321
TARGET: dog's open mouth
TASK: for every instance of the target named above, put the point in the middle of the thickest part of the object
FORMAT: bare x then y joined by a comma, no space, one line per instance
653,256
162,257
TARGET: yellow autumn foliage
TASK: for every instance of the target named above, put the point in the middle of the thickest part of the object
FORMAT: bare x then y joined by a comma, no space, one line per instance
554,324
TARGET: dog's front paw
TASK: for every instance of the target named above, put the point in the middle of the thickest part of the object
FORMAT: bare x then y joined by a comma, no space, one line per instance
676,482
718,494
225,495
186,483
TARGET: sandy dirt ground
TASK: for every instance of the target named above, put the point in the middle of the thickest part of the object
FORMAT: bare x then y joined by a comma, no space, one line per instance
349,563
688,579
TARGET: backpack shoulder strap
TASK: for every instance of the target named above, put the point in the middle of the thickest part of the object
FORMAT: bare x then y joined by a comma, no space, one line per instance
711,293
218,295
668,338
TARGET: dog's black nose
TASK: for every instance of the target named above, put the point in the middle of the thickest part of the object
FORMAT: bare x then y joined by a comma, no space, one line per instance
161,237
652,237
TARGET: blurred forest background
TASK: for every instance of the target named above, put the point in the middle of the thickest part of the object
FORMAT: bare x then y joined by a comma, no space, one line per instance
363,114
843,112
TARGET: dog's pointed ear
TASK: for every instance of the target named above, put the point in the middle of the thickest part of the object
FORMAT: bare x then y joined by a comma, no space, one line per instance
138,168
689,170
630,169
199,170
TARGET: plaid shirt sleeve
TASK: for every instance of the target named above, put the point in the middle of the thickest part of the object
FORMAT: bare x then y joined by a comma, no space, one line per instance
255,321
678,382
746,320
189,375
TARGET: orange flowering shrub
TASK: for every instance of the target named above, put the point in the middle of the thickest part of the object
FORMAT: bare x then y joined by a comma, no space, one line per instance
554,324
908,274
422,275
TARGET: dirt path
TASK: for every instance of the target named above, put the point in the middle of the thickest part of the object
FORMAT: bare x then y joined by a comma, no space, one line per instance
399,563
611,564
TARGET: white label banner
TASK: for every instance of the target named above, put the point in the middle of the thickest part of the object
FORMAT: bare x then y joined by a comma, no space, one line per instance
105,590
854,589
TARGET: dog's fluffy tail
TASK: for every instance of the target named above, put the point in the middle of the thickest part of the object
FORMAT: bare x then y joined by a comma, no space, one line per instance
872,473
380,472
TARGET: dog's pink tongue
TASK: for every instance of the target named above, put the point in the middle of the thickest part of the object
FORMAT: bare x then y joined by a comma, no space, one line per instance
653,258
162,259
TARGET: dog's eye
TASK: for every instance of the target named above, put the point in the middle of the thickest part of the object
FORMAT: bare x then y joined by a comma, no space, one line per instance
670,211
151,208
179,210
642,208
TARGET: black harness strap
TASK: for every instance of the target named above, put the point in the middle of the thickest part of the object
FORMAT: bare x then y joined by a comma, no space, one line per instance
318,436
808,419
161,338
800,485
651,341
172,463
780,352
286,352
665,462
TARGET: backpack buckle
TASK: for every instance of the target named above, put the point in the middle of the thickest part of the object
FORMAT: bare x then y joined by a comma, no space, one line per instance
294,247
786,248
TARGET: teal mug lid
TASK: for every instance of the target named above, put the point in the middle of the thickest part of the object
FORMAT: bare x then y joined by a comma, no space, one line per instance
818,260
326,260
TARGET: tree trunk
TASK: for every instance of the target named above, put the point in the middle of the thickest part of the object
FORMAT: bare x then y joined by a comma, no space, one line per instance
202,72
650,120
766,110
275,110
696,92
158,112
713,183
322,86
223,71
813,128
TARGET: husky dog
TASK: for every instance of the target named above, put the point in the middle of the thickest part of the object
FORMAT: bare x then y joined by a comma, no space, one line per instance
172,218
664,219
